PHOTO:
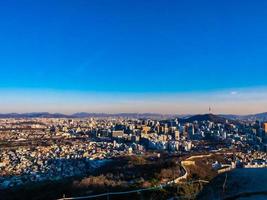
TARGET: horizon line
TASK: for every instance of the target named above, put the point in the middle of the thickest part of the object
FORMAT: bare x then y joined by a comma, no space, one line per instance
140,113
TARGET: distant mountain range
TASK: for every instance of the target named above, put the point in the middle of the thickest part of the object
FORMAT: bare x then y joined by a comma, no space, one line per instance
129,115
258,116
33,115
187,118
86,115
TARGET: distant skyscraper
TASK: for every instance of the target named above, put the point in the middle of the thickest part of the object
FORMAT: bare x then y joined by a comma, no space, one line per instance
191,131
177,135
265,127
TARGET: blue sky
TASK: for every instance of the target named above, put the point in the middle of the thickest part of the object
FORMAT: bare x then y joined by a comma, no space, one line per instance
130,50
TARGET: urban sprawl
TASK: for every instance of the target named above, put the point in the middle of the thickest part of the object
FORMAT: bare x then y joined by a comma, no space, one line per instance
40,149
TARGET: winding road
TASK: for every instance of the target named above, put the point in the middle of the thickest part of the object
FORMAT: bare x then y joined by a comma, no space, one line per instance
178,180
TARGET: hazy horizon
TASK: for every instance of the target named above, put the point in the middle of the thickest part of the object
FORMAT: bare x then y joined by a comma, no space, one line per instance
238,101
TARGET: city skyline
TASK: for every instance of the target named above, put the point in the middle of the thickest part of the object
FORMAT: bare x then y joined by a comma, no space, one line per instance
123,56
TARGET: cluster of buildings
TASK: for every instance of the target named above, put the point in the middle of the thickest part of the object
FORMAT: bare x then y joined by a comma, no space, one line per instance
255,159
73,147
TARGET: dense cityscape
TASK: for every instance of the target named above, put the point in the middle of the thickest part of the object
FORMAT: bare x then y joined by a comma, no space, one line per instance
133,100
51,149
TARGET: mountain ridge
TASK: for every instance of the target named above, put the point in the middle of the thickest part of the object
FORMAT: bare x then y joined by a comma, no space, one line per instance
190,117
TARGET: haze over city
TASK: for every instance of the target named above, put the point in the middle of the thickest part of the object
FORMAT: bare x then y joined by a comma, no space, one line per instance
240,101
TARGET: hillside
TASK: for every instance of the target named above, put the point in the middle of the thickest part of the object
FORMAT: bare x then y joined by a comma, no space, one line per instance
206,117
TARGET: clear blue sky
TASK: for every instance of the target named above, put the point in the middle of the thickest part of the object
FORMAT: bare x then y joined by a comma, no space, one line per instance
133,46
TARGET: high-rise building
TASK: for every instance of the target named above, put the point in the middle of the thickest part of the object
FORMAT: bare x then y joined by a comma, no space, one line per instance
265,127
191,131
177,135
